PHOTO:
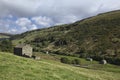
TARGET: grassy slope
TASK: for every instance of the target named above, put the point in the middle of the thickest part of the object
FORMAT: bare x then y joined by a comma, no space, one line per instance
98,34
4,35
18,68
83,62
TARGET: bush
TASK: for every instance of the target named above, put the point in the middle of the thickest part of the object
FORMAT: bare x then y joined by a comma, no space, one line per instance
76,62
84,55
69,61
6,46
60,42
59,53
111,60
65,60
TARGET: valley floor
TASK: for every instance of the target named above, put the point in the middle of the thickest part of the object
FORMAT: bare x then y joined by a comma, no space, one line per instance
18,68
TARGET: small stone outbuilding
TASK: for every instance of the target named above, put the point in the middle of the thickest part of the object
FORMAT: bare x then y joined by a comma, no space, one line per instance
23,50
89,59
36,57
103,62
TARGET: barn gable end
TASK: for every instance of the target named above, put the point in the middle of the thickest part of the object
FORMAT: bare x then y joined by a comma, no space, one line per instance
23,50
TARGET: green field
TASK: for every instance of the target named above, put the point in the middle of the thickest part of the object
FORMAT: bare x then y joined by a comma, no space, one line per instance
3,35
18,68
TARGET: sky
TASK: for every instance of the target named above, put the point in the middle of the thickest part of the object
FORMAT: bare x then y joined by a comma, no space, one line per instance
18,16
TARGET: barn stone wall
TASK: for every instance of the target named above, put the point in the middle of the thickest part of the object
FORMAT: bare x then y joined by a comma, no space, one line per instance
27,51
18,51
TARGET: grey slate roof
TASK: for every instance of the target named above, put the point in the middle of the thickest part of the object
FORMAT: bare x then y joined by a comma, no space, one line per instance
22,45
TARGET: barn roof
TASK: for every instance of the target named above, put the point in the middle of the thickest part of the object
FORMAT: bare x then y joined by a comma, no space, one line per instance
21,45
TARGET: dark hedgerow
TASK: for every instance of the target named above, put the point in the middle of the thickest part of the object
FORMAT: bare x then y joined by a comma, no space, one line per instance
76,62
65,60
69,61
6,46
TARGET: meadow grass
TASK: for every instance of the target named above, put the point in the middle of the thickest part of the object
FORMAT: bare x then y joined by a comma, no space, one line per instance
18,68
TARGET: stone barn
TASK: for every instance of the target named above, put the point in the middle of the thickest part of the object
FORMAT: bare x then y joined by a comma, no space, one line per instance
103,61
23,50
89,59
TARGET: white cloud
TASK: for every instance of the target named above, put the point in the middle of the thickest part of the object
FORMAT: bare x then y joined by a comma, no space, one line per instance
54,8
10,16
43,13
8,26
18,7
33,27
17,26
23,21
42,21
3,26
13,31
25,24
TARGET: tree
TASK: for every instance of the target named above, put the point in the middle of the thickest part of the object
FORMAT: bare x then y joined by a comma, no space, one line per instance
6,46
65,60
76,62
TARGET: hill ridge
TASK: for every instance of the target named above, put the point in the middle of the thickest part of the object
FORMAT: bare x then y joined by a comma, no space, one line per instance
96,36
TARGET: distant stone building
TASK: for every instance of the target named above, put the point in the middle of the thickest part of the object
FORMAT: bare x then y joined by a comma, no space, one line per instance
37,57
47,52
89,59
103,62
23,50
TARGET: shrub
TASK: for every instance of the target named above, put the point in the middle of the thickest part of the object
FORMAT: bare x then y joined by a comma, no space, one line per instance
84,55
111,60
76,62
6,46
60,42
65,60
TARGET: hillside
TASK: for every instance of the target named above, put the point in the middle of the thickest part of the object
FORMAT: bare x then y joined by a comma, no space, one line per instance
96,36
17,68
4,35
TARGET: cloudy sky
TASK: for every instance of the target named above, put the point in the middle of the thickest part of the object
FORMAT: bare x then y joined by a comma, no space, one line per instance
17,16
